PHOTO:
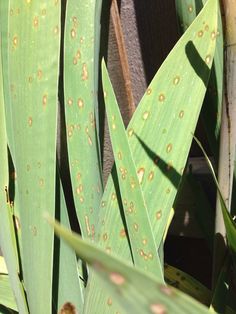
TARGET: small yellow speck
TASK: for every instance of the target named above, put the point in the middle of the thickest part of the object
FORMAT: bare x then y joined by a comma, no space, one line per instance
30,121
158,214
84,72
73,33
169,148
181,114
45,100
130,132
56,30
151,176
109,302
39,74
15,41
200,33
162,97
149,91
70,101
36,21
80,103
145,115
208,59
190,8
122,233
176,80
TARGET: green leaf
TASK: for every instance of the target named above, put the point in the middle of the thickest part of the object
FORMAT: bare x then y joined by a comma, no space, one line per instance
32,67
144,248
135,290
187,11
230,224
6,295
7,232
80,101
165,119
67,284
221,291
187,284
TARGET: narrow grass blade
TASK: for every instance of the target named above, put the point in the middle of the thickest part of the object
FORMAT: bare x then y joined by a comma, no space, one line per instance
67,287
80,89
7,232
32,65
187,284
4,20
230,224
144,249
7,298
164,119
221,291
135,291
233,201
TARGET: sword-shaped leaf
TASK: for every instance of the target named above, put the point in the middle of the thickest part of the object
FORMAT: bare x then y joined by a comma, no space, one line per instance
32,65
133,289
160,135
143,246
80,90
7,232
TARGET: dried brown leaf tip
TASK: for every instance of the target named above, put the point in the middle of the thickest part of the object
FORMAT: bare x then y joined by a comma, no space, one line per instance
68,308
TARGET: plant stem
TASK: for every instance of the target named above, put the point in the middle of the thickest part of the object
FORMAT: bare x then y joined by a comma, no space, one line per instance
228,128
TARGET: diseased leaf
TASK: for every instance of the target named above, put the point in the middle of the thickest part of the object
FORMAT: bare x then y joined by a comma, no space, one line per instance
187,284
143,246
135,290
7,232
80,91
32,51
160,135
67,286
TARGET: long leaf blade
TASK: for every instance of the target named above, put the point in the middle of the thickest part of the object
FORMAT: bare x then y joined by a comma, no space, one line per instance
32,64
133,289
165,118
80,89
144,249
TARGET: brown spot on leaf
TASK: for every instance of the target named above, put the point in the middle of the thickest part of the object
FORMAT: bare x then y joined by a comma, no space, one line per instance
68,308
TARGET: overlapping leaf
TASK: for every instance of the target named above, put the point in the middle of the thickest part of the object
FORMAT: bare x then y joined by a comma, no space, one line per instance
80,89
7,232
7,298
134,290
143,246
32,66
160,137
187,10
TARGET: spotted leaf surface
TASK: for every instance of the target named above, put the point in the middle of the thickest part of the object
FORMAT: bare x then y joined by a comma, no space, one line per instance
7,233
80,89
69,285
32,64
187,284
144,249
160,135
211,111
134,290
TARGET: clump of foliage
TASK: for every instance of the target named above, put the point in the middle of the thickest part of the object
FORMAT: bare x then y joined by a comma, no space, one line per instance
116,265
